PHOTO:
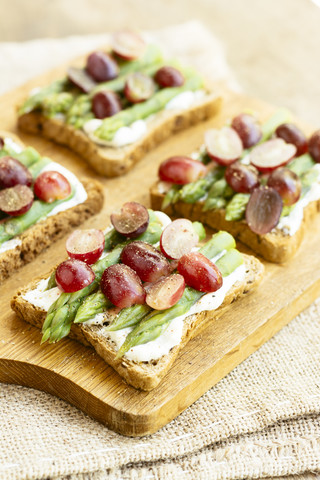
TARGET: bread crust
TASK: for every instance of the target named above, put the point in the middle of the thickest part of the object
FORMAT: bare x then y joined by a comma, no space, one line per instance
275,247
144,375
42,234
112,162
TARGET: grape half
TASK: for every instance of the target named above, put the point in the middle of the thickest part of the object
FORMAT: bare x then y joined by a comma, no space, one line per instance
248,129
314,146
166,292
272,154
102,67
132,220
178,238
169,77
223,145
51,185
86,245
146,260
122,286
287,184
105,104
181,170
290,133
16,200
13,172
199,272
242,178
73,275
263,210
139,87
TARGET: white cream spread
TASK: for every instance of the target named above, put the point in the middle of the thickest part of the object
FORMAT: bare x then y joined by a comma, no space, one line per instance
123,136
291,223
40,297
184,100
79,196
132,133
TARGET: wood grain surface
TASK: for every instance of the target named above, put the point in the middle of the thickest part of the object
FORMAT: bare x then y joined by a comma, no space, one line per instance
76,373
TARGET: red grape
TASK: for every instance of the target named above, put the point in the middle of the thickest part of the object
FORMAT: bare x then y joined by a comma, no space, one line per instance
248,129
263,209
272,154
128,44
102,67
314,146
105,104
132,220
166,292
16,200
73,275
139,87
223,145
169,77
290,133
287,184
122,286
242,178
146,260
13,172
178,238
86,245
80,78
50,186
181,170
199,272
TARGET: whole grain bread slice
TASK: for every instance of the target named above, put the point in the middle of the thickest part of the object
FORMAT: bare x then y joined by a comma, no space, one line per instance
112,162
144,375
276,246
44,233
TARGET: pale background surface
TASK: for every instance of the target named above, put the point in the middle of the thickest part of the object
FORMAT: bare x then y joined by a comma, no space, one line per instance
272,46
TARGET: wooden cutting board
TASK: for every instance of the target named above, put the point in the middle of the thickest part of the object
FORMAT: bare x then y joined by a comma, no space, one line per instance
77,374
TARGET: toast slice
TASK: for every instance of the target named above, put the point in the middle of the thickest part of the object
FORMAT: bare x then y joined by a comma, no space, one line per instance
275,246
112,162
144,375
42,234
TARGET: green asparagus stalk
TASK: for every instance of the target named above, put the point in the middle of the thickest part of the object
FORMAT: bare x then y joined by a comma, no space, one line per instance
91,306
57,102
200,230
141,110
35,101
152,327
67,304
192,192
216,195
236,208
37,166
28,156
172,196
16,225
278,118
302,164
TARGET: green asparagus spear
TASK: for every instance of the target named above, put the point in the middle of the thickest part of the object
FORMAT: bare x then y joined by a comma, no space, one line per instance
172,196
28,156
236,208
128,317
192,192
200,230
36,168
35,101
157,102
216,195
302,164
54,325
15,225
280,116
91,306
57,102
152,327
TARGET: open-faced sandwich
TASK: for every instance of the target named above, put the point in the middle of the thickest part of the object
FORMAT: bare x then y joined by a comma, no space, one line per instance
139,291
259,182
119,104
40,201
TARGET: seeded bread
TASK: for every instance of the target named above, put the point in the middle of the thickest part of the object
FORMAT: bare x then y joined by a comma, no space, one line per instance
144,375
44,233
276,246
112,162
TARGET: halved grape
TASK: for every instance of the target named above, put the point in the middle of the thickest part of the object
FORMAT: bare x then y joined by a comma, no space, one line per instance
132,220
166,292
73,275
169,77
199,272
287,184
80,78
272,154
181,170
102,67
314,146
139,87
16,200
223,145
105,104
86,245
122,286
248,129
13,172
178,238
146,260
50,186
263,209
242,178
290,133
128,44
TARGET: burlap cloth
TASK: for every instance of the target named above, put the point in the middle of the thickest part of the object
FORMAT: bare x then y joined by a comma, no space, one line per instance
262,420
